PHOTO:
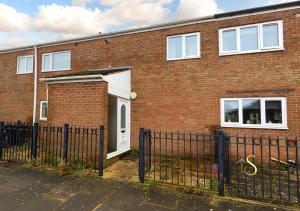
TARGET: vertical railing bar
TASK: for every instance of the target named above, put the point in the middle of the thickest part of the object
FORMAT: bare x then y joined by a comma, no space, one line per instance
237,158
160,157
254,177
297,170
279,169
166,154
197,158
203,160
262,167
184,157
245,156
178,159
190,157
288,167
172,155
154,151
270,168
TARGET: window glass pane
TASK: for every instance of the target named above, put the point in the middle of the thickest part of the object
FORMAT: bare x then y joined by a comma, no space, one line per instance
44,110
231,110
191,45
251,112
22,65
175,47
229,40
273,111
29,62
61,61
46,62
249,38
123,116
270,35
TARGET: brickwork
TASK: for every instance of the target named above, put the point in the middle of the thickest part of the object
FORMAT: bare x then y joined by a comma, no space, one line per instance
178,95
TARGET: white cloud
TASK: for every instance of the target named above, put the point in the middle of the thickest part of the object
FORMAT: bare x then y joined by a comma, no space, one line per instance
12,20
82,2
196,8
76,20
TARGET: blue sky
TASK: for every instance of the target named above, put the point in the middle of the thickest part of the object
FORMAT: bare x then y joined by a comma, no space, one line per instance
24,22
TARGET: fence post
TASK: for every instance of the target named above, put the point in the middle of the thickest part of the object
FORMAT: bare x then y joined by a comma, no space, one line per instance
66,140
149,151
34,140
101,151
141,156
220,137
1,139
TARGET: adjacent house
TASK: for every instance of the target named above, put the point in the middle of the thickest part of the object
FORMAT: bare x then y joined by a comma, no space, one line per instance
238,70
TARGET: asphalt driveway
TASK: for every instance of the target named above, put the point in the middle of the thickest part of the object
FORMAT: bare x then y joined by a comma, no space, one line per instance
24,188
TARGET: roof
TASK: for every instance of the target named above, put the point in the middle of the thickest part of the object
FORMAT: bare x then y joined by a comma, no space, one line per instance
166,25
94,72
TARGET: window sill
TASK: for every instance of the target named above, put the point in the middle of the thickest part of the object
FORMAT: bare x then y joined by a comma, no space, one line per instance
251,52
194,57
43,119
256,127
47,71
24,73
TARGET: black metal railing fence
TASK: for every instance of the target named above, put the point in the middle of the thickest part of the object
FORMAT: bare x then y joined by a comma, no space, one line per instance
248,166
78,147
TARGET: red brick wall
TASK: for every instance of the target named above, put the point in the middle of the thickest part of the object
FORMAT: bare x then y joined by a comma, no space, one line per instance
185,94
16,91
82,104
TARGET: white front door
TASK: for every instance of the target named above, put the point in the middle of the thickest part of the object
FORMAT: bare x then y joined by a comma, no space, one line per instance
123,124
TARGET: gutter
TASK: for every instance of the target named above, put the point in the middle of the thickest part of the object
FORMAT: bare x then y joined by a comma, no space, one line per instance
35,84
98,76
216,17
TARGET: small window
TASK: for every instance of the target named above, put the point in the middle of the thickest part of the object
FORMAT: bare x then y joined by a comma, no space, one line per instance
24,64
123,117
254,112
43,110
56,61
251,38
183,46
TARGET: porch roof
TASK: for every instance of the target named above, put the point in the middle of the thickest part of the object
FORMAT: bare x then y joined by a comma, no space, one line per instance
94,73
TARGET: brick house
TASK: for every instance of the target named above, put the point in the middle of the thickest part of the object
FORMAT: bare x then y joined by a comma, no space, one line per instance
238,70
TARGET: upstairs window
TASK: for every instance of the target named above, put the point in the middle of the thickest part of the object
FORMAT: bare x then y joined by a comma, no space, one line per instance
254,112
24,64
56,61
251,38
184,46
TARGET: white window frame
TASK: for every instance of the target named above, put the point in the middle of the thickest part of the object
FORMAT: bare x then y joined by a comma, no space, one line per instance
22,57
51,61
183,46
264,124
261,47
41,104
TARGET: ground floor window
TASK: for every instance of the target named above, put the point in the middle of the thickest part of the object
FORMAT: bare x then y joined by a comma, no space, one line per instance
43,110
267,112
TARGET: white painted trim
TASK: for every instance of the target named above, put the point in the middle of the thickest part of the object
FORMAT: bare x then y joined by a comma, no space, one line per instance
259,38
75,81
41,103
71,77
51,61
183,36
263,125
116,153
24,57
150,29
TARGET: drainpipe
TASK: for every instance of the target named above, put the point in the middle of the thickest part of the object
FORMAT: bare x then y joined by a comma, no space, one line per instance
35,85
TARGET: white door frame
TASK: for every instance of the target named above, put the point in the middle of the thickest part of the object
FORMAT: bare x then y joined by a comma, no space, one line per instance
121,148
